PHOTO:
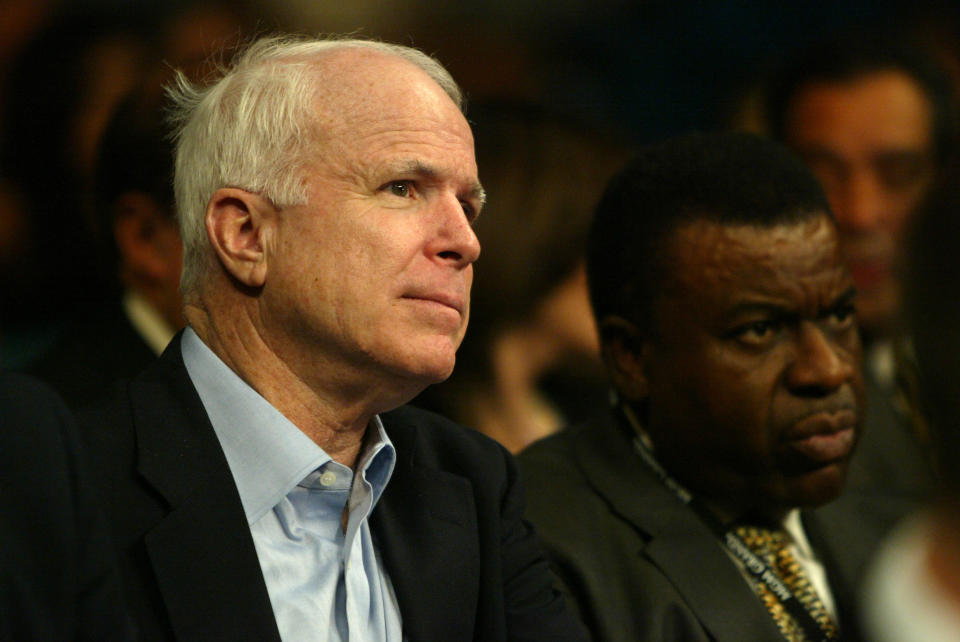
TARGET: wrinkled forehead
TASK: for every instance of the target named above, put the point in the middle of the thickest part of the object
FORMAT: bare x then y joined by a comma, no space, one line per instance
798,262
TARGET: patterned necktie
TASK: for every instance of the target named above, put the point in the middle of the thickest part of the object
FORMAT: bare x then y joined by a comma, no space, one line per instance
771,547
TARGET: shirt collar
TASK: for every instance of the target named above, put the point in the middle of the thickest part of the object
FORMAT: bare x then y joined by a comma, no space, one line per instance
881,363
267,454
147,321
794,527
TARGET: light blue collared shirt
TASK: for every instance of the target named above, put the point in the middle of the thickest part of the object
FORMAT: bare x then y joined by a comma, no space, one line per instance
324,583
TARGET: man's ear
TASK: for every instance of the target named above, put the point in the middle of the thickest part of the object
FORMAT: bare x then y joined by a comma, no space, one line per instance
624,350
239,224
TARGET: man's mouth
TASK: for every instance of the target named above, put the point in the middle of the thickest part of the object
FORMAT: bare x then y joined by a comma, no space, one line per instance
825,448
438,298
824,437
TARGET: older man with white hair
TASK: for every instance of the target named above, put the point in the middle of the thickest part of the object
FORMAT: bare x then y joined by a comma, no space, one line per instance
264,481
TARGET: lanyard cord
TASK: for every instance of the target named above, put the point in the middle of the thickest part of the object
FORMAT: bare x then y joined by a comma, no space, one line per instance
733,542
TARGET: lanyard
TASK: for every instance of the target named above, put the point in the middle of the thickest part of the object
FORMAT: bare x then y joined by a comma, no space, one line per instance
734,544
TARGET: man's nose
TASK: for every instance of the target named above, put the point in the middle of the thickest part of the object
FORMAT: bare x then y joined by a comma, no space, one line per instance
820,366
456,241
859,202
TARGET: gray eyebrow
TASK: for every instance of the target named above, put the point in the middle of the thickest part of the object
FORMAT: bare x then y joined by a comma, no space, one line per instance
479,193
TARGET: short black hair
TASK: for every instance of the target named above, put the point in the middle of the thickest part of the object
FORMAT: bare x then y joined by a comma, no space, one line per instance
727,178
848,56
135,154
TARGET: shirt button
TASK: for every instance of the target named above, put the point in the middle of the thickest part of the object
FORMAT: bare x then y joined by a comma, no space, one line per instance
328,478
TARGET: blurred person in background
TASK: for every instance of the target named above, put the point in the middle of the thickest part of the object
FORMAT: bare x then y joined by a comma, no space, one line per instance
61,89
137,241
913,590
58,571
140,245
874,117
59,93
530,362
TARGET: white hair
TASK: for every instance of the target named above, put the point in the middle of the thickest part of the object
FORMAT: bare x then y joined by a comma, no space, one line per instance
250,129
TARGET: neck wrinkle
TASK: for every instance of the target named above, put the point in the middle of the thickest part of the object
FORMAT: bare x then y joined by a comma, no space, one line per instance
336,425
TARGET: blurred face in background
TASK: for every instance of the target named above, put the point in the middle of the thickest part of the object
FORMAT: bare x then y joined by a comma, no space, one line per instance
870,142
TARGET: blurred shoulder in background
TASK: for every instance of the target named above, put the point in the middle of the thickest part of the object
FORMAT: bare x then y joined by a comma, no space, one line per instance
59,578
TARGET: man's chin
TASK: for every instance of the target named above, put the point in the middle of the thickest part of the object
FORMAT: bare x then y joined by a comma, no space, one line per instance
816,487
431,371
438,375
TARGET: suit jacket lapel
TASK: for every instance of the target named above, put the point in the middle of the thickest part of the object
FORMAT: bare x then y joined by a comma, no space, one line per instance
426,530
202,552
677,541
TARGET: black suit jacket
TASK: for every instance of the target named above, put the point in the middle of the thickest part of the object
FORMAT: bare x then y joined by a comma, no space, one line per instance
58,573
449,527
85,362
638,563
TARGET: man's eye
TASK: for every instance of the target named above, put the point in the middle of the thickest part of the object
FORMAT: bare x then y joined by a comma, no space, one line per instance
843,316
757,331
469,211
760,328
399,188
903,172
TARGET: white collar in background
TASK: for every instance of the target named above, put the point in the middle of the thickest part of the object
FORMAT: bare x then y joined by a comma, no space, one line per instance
880,363
147,321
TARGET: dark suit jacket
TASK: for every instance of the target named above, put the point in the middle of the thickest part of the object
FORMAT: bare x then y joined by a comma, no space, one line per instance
58,573
463,563
91,356
638,563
